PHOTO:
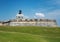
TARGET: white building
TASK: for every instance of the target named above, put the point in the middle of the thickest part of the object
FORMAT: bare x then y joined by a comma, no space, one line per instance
20,21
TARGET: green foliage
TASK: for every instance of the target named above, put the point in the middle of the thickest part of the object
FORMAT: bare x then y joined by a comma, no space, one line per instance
29,34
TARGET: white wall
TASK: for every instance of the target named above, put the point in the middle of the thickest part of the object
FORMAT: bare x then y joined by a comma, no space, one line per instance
32,24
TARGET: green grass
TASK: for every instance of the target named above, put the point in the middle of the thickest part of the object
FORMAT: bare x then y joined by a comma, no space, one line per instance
29,34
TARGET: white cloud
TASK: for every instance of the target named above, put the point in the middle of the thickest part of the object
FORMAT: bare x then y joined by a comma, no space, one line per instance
54,2
54,14
26,17
39,15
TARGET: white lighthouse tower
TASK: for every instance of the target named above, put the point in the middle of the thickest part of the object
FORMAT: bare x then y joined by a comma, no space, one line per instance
19,15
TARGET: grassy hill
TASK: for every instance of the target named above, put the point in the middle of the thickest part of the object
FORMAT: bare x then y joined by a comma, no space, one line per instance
29,34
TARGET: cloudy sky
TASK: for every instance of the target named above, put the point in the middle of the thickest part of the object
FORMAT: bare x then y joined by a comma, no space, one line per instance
49,9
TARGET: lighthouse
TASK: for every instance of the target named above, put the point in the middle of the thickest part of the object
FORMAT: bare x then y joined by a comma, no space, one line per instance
19,15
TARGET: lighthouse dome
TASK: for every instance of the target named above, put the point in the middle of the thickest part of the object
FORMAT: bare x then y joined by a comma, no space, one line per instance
19,15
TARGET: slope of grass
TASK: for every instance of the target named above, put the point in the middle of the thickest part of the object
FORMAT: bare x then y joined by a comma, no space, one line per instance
18,37
29,34
33,30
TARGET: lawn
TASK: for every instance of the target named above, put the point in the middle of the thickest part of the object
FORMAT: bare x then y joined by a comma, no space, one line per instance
29,34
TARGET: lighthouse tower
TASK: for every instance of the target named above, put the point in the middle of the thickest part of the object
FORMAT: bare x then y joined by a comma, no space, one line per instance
19,15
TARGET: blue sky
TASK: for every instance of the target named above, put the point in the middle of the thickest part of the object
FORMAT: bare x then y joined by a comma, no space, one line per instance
50,8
